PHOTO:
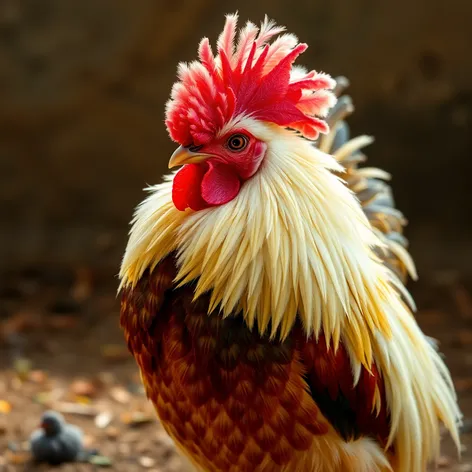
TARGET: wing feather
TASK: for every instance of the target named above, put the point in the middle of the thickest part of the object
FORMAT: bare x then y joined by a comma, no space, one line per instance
354,407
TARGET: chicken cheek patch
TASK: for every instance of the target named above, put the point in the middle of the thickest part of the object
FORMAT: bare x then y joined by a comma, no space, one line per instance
220,184
186,188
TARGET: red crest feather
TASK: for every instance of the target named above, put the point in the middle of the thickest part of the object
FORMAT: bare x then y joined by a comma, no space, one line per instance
253,79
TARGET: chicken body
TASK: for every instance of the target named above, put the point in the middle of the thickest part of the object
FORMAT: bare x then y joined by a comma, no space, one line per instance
262,286
237,401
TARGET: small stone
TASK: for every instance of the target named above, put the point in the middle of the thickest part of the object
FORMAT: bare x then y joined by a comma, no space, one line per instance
103,419
146,462
120,395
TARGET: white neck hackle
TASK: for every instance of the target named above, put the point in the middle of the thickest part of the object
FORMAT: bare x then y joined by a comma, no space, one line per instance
293,242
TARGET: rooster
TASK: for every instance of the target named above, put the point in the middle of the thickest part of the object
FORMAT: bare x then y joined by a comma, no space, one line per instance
262,286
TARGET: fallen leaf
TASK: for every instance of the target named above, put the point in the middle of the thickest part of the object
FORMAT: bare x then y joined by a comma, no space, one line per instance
136,418
83,400
22,367
49,397
75,409
101,461
5,407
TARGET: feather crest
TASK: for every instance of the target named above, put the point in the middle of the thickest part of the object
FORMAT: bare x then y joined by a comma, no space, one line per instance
250,77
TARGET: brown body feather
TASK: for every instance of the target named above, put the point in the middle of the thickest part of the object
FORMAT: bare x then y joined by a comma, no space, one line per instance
236,401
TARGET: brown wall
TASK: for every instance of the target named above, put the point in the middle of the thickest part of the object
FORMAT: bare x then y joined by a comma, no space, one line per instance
83,85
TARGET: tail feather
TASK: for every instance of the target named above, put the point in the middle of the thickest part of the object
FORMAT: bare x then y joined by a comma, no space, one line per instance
419,386
369,185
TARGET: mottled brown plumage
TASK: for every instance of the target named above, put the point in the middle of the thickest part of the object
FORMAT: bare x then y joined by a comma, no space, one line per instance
236,400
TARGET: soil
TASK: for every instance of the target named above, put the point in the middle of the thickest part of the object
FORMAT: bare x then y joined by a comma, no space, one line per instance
61,348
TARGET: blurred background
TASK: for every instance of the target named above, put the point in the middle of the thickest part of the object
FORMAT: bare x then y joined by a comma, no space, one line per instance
83,84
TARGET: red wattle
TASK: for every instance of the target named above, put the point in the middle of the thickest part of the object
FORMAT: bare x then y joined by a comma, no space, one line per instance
186,188
220,184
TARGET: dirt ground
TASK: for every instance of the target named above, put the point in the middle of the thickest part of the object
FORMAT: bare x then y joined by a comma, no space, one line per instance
61,348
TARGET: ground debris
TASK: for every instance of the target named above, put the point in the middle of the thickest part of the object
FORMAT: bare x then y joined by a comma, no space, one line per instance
137,418
64,324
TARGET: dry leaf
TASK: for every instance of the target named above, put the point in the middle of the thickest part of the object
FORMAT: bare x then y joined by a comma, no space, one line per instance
75,409
5,407
136,418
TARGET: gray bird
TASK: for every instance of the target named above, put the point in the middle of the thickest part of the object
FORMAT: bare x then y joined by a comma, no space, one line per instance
56,441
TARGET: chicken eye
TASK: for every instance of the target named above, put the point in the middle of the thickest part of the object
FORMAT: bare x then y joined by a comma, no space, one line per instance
237,142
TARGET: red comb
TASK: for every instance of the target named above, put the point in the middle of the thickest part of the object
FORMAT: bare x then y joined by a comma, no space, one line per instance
253,79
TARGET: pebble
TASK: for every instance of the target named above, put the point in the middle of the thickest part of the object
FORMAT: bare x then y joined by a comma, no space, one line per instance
147,462
103,419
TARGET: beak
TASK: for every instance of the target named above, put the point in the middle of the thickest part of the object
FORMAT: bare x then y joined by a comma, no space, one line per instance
183,155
